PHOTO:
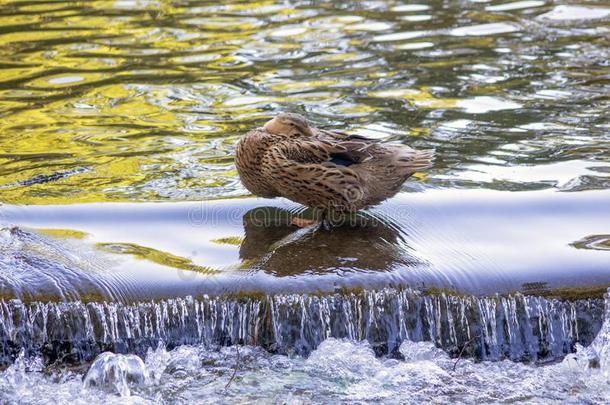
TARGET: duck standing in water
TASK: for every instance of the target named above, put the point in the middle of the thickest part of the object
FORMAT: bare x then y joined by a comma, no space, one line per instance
326,170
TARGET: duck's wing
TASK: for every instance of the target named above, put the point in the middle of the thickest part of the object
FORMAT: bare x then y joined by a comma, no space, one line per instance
305,150
307,171
340,136
358,148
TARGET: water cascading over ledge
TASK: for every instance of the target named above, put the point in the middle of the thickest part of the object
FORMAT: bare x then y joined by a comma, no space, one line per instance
517,327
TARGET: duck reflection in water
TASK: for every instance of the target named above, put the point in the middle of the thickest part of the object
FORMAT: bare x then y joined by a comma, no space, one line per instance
274,245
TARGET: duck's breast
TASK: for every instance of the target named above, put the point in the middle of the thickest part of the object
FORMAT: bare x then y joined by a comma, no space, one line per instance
249,152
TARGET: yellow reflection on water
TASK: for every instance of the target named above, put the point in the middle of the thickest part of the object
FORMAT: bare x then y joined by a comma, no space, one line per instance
63,233
155,256
419,97
229,240
144,99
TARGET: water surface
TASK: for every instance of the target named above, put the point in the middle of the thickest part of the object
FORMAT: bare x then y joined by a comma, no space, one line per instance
144,100
139,102
467,241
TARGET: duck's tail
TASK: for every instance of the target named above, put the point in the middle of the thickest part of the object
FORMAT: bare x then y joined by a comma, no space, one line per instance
383,178
410,160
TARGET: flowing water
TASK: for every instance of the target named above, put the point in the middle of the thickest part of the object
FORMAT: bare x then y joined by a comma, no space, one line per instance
338,370
514,326
470,242
124,228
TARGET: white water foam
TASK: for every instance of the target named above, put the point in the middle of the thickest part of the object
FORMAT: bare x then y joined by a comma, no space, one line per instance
338,370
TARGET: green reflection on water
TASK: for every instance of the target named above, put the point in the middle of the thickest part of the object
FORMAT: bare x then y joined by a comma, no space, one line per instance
144,100
155,256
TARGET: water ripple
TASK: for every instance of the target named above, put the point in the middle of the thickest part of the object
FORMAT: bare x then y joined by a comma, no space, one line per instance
150,97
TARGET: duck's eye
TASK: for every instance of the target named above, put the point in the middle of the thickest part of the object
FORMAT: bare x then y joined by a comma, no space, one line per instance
292,123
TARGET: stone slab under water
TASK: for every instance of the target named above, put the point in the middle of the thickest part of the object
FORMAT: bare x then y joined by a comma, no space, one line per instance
468,241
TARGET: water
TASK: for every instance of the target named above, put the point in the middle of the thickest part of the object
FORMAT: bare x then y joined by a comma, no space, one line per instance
144,100
337,370
467,241
500,250
516,327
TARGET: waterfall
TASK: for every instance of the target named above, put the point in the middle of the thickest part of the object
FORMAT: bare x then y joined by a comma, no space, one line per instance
517,327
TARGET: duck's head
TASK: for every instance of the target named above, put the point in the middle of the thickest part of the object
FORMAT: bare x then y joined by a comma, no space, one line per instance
289,124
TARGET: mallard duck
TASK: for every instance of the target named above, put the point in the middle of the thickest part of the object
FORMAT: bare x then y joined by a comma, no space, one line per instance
327,170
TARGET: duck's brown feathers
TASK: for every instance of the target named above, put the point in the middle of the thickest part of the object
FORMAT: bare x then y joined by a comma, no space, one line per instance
329,170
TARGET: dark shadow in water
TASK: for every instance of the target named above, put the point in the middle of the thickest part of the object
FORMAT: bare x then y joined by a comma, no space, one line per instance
361,242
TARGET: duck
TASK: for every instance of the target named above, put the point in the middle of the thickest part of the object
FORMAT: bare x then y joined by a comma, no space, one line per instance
327,170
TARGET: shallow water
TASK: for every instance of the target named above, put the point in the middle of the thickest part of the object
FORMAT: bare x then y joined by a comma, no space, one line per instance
469,241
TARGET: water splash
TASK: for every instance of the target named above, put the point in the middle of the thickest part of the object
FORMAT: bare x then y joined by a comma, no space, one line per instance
116,372
597,354
338,370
